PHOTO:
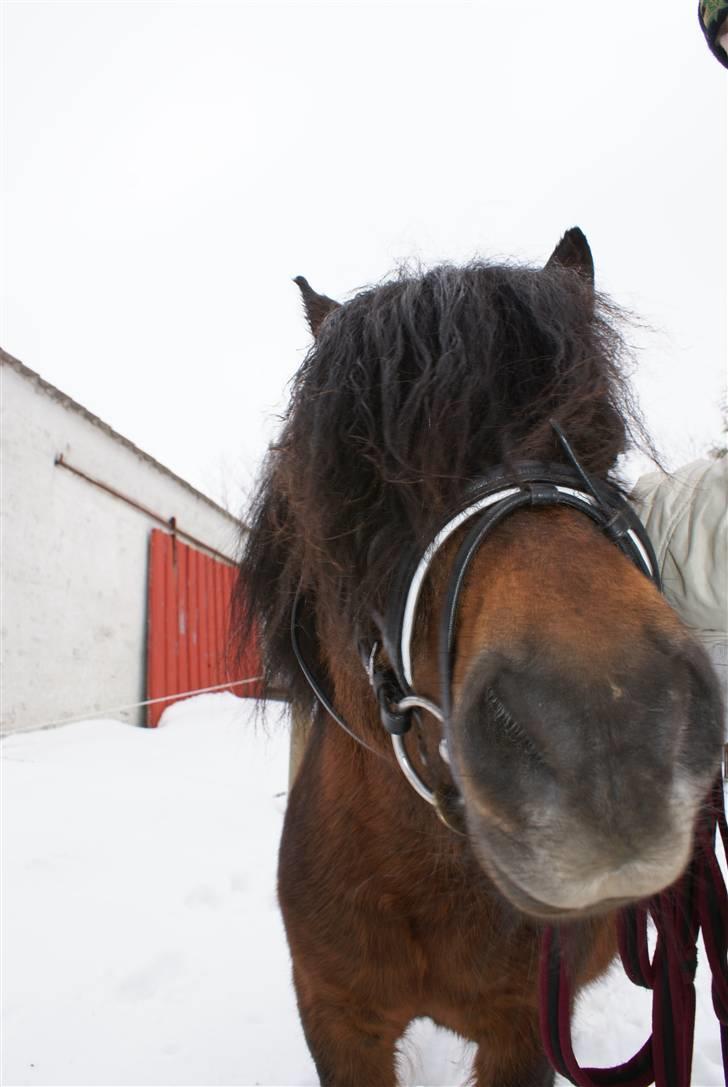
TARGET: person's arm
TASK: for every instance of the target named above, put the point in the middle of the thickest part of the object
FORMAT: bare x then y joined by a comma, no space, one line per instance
686,517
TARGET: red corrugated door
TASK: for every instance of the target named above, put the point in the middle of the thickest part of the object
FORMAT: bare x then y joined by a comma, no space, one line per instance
188,605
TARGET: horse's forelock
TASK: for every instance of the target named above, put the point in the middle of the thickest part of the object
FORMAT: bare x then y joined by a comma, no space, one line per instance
413,388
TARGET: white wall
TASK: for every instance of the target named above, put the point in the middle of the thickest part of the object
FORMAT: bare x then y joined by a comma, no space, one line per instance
74,559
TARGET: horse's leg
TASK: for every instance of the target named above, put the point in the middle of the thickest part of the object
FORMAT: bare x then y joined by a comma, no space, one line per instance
351,1046
492,1073
515,1059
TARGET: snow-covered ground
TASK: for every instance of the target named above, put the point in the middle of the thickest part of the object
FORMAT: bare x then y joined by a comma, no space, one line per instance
142,943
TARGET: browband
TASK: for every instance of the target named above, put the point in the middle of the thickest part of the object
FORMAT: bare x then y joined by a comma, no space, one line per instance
502,492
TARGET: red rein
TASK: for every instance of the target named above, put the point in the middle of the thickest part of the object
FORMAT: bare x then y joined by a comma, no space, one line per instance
699,901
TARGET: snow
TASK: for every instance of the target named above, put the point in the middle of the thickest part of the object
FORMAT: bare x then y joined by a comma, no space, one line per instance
141,937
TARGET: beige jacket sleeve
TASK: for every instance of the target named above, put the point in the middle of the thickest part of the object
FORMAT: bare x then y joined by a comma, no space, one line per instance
686,517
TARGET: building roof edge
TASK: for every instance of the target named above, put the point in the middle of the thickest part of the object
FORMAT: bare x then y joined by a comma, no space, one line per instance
67,401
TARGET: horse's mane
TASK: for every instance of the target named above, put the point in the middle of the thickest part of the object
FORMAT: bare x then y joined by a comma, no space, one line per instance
412,389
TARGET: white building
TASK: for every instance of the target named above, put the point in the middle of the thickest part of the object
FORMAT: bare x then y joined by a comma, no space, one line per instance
78,502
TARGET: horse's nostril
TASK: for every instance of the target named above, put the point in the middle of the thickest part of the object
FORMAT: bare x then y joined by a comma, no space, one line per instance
500,759
501,719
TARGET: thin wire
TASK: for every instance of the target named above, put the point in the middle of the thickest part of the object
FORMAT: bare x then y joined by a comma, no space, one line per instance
138,705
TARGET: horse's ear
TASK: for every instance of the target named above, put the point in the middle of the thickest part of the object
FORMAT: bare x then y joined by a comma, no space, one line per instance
573,252
317,306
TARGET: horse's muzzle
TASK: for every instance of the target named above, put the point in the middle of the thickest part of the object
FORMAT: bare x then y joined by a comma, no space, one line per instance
581,796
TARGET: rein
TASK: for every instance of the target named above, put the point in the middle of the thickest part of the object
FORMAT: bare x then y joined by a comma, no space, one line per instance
698,901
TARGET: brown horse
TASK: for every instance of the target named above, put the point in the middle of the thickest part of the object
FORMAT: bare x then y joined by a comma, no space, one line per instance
581,724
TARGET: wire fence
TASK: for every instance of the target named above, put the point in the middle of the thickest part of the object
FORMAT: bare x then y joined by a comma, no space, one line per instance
93,714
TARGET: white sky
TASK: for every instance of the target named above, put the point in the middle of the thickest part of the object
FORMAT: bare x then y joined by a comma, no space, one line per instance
171,166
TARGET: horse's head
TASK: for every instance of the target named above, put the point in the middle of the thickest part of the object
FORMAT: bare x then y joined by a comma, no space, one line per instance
585,726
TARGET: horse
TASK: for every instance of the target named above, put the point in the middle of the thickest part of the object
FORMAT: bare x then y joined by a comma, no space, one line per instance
562,722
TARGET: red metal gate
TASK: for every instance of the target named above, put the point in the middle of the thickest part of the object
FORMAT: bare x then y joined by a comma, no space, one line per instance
188,606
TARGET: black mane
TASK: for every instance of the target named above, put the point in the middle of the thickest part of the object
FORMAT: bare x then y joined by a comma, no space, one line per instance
412,389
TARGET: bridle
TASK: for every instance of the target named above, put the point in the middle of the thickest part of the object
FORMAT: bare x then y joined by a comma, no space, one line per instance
699,899
488,502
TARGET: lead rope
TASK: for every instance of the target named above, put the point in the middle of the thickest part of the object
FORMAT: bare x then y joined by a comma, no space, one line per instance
698,901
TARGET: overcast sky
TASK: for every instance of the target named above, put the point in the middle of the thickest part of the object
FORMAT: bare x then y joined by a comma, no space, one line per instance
171,166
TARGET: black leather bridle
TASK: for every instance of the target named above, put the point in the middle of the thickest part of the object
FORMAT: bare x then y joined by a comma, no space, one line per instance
486,503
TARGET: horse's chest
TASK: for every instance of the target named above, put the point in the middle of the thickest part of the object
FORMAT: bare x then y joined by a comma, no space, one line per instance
472,955
449,956
395,924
